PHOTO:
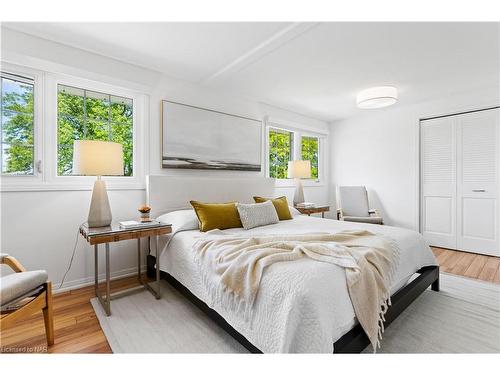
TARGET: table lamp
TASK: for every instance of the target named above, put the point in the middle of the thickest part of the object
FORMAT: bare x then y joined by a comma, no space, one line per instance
299,169
98,158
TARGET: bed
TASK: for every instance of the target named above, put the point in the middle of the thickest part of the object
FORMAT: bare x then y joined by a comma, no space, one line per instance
302,306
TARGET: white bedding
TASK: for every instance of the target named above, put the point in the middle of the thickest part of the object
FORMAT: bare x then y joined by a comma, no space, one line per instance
302,306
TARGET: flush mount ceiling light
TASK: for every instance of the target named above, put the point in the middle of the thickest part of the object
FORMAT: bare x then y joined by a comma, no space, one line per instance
377,97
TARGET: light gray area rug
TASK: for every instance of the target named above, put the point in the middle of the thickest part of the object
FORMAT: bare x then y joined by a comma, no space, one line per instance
464,317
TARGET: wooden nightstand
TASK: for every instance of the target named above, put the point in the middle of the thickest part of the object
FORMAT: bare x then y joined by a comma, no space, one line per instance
314,210
115,233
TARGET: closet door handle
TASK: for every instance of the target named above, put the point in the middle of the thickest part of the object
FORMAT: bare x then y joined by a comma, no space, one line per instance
478,190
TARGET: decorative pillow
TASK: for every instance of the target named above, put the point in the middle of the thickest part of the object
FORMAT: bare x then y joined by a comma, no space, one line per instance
281,205
216,215
294,211
181,220
257,214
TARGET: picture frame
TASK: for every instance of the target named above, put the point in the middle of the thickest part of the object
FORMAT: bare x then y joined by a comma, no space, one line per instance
199,138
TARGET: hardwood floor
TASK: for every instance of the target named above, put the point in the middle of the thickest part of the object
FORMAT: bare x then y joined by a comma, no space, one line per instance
77,329
475,266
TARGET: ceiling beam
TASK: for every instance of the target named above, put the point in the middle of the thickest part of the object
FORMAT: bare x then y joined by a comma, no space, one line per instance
269,45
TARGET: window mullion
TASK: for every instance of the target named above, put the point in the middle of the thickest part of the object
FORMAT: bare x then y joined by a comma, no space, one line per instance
1,125
297,146
109,119
84,114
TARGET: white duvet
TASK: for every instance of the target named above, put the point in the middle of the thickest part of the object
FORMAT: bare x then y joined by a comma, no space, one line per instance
302,306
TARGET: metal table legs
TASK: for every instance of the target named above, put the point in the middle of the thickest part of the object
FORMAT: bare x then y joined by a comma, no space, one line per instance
96,270
105,300
157,292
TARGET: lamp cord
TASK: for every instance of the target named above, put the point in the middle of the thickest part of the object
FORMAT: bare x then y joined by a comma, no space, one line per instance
72,256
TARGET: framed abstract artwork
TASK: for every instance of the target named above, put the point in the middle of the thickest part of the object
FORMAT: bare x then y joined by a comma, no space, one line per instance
199,138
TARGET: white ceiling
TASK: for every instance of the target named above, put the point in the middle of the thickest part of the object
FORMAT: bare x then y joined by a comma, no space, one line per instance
314,69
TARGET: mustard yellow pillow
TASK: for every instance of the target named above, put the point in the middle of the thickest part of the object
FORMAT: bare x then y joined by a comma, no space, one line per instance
217,215
280,204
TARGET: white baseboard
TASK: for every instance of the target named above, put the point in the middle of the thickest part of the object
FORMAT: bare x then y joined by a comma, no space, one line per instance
86,281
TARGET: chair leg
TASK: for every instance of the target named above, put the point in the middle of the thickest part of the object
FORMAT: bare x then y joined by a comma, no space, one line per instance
48,316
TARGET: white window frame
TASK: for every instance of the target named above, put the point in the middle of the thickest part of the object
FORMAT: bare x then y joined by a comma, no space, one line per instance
297,153
45,142
12,181
320,148
75,182
268,147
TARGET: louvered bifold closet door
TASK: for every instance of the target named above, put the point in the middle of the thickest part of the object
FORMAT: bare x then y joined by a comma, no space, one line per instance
478,166
438,182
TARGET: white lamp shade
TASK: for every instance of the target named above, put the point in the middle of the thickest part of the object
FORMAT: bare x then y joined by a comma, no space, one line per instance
97,158
377,97
299,169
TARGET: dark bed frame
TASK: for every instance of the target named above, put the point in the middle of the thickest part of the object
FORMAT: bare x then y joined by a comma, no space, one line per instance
354,341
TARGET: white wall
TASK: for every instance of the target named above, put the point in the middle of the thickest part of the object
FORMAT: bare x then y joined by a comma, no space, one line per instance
186,93
39,227
379,149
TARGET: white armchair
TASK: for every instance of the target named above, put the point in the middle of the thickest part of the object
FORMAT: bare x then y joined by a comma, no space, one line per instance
353,205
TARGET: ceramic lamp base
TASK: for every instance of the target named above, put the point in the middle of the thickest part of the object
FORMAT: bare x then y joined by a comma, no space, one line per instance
100,212
298,196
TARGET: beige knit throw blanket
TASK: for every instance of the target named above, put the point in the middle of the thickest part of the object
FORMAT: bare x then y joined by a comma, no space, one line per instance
233,267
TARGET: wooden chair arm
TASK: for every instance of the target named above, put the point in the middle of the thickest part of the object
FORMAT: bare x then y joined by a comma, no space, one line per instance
13,263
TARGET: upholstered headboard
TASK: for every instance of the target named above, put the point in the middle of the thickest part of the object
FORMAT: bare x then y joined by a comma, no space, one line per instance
168,193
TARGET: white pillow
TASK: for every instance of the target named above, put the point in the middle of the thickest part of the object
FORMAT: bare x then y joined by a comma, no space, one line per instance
294,211
181,220
257,214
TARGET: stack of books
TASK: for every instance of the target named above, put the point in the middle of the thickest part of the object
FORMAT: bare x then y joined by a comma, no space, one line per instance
305,205
134,224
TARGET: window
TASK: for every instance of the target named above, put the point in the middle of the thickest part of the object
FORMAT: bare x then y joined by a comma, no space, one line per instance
85,114
43,112
280,152
310,151
285,145
17,125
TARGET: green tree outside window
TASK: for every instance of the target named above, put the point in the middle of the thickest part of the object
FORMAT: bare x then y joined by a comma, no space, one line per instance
310,151
17,125
280,152
84,114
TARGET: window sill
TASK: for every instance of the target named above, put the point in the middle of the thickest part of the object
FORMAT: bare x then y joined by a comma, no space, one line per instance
67,187
283,183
